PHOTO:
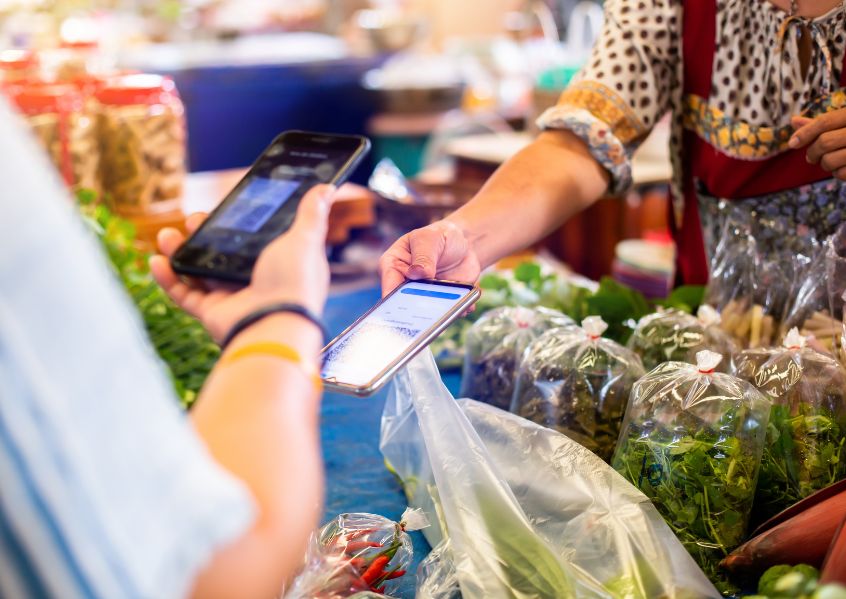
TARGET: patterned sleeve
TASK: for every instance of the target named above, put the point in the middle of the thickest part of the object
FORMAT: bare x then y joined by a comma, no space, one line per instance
626,86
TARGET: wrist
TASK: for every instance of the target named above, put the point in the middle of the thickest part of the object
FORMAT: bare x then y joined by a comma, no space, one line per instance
284,327
465,225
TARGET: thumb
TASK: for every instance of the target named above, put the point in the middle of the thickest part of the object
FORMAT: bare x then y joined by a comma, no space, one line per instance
313,211
426,246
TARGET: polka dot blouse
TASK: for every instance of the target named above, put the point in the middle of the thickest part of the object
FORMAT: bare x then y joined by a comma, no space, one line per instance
635,76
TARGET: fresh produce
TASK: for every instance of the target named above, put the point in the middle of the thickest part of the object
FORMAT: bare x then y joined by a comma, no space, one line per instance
691,441
675,336
796,582
180,341
494,348
578,383
357,553
807,430
530,284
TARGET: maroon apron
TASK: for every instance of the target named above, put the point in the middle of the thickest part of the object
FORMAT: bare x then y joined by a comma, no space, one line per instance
721,175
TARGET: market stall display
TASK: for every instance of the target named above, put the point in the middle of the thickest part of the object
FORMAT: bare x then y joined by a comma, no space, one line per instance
692,441
62,123
804,451
17,66
673,335
494,347
357,553
577,382
142,137
528,511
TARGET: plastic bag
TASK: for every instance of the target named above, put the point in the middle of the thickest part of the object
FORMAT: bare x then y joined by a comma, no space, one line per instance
676,336
752,274
806,437
437,577
494,347
357,553
578,383
529,512
692,442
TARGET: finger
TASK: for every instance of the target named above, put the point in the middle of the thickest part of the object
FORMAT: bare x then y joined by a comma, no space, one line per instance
807,133
798,121
840,173
313,212
168,280
426,246
393,265
169,240
193,222
826,150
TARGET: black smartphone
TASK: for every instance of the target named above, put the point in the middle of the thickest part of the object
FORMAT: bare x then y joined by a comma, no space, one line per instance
264,203
366,355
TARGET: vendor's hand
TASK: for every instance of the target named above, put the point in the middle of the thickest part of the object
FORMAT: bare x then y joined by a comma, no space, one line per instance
825,140
438,251
293,268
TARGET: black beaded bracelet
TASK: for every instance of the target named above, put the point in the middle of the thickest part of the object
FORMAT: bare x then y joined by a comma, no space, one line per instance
257,315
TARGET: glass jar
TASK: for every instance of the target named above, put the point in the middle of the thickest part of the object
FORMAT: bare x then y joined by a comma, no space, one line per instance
141,124
56,113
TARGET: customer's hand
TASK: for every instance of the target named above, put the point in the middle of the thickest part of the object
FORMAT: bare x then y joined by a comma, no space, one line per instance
293,268
438,251
825,139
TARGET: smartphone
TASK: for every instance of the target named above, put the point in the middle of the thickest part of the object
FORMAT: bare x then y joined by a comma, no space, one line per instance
366,355
264,203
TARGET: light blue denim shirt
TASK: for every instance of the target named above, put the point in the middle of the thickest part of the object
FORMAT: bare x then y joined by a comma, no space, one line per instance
106,490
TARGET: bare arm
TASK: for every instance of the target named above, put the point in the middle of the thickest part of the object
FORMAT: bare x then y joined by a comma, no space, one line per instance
258,415
529,196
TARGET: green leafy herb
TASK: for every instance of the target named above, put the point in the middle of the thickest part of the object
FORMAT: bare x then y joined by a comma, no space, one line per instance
180,341
687,298
796,582
700,479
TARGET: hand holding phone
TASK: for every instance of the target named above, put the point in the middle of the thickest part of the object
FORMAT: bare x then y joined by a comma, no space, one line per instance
263,204
365,356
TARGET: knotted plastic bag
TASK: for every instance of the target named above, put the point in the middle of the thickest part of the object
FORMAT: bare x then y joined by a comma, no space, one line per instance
357,553
577,382
494,347
692,441
676,336
806,437
528,512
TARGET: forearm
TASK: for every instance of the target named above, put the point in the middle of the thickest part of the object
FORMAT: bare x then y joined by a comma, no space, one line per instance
259,418
531,195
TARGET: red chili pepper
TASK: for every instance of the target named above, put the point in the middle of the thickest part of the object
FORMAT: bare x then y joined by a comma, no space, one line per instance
360,545
358,562
395,574
375,570
381,590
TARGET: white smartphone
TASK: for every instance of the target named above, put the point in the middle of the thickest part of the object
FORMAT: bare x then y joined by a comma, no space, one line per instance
366,355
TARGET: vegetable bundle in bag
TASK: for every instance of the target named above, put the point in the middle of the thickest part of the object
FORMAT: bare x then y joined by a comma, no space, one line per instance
578,383
806,435
692,441
357,553
676,336
494,347
528,512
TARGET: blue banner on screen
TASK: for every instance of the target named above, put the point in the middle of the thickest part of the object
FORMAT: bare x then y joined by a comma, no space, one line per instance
389,331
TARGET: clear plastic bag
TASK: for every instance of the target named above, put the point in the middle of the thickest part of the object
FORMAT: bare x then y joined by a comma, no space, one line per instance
357,553
676,336
806,437
494,348
529,513
692,441
578,383
437,577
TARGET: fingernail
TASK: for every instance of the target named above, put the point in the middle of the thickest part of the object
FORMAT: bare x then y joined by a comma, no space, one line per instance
794,142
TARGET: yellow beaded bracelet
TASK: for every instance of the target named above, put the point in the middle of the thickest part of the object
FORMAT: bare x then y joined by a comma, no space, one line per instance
276,350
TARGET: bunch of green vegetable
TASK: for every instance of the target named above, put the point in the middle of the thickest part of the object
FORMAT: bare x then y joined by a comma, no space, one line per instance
806,436
692,442
579,384
528,285
180,341
796,582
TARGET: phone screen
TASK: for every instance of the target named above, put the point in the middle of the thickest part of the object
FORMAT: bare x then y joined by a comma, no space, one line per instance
390,330
264,204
